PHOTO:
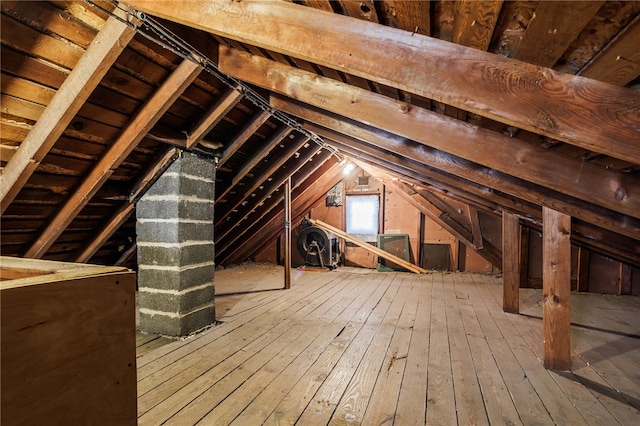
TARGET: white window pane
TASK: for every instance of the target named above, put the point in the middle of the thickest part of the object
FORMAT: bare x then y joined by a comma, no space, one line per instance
362,216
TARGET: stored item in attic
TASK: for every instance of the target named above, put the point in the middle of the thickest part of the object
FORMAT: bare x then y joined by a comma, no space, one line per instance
375,250
318,248
396,244
68,342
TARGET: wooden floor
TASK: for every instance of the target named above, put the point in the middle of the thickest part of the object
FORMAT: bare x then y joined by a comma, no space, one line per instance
393,348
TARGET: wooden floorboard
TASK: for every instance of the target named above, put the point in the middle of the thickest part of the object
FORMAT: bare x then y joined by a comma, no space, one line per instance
378,348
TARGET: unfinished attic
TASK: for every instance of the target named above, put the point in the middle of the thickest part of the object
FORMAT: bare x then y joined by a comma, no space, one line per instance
320,212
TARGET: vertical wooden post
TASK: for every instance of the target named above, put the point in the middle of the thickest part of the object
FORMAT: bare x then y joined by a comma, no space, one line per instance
287,233
524,257
556,289
584,260
510,262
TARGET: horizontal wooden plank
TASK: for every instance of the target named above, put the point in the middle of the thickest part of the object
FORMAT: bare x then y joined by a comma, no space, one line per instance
509,155
516,93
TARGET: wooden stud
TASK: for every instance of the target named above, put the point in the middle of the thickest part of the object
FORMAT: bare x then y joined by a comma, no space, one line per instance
626,274
545,102
510,262
474,219
143,121
76,89
556,290
524,257
584,262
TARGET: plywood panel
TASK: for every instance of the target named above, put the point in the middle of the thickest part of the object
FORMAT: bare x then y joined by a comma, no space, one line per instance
68,350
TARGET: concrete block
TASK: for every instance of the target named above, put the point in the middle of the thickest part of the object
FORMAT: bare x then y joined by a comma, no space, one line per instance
174,279
161,232
178,327
175,256
172,207
176,303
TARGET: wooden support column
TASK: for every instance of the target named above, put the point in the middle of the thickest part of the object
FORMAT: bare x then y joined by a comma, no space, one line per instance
510,263
287,233
556,290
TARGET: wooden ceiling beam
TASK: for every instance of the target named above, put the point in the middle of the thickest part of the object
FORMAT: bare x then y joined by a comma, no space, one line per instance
619,62
217,112
125,210
523,95
256,158
128,139
247,131
471,172
579,179
74,91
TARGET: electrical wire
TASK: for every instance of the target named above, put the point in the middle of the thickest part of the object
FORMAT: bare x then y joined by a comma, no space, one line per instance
163,37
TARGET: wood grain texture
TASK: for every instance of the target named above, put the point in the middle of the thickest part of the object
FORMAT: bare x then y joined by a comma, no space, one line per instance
556,281
553,27
619,62
75,90
510,262
515,93
475,22
509,155
428,160
413,16
149,114
72,360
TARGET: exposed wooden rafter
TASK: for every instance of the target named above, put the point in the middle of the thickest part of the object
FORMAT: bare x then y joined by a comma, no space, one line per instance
247,131
550,169
619,62
256,158
545,102
260,180
420,157
265,212
218,110
269,188
440,212
554,26
123,213
76,89
128,139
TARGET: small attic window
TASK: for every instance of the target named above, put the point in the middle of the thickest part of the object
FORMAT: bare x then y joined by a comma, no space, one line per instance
363,213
